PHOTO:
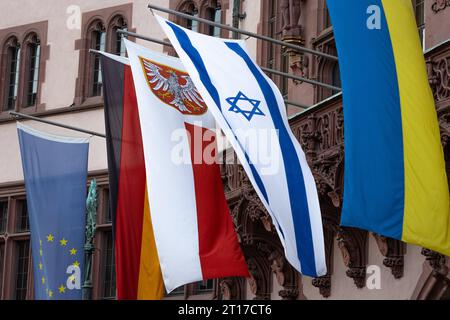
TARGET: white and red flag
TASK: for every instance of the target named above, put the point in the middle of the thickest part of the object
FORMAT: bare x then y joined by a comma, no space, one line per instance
194,232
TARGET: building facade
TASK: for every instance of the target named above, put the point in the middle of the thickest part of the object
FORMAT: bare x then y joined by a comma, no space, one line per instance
46,70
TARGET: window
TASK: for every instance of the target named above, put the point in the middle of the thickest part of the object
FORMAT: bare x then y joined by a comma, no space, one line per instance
3,216
22,262
326,17
12,74
419,8
33,56
22,224
272,33
336,77
109,267
205,286
106,207
99,32
98,43
190,9
24,54
117,42
285,68
214,15
2,259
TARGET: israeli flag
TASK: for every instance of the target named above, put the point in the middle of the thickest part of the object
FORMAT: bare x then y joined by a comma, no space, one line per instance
251,111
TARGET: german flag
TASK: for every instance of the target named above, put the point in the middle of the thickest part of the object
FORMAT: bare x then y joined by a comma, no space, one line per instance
137,265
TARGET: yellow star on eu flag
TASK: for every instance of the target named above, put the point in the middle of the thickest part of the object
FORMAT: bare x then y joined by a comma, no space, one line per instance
50,293
41,252
63,242
73,251
76,264
40,265
62,289
50,238
43,280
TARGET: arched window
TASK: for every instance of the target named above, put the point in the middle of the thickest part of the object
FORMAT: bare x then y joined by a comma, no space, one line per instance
190,8
98,42
11,88
32,46
214,14
116,39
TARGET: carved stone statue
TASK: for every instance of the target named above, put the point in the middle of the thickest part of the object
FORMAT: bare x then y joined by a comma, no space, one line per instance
291,13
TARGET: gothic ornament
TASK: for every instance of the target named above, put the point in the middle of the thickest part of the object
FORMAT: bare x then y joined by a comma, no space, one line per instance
440,5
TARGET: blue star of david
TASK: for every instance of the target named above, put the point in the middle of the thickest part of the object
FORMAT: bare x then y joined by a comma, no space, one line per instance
248,114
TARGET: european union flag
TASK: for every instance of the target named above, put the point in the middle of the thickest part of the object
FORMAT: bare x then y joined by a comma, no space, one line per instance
55,172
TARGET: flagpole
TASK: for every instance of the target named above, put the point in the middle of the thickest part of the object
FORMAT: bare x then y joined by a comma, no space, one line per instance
244,32
19,115
276,72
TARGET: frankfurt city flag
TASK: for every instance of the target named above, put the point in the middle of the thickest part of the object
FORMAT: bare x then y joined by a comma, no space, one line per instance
55,172
193,229
251,111
395,179
138,274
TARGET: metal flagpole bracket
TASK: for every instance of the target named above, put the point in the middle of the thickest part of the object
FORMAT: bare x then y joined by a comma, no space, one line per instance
244,32
279,73
18,115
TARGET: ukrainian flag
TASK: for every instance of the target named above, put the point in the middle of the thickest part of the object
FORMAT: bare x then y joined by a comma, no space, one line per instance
395,180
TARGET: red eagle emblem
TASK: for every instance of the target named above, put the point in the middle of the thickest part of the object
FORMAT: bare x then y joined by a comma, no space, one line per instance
173,87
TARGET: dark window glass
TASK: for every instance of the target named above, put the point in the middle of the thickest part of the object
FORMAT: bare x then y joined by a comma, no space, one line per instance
205,286
214,15
119,45
12,78
106,208
22,216
34,54
109,272
285,69
419,8
99,43
22,258
2,257
272,33
326,18
336,77
191,24
3,216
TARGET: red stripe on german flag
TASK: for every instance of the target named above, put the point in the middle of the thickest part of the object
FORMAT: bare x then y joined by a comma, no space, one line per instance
137,266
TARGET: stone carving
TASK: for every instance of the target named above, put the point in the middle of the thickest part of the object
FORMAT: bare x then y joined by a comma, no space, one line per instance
394,252
324,285
353,245
440,5
232,289
439,77
437,261
291,13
